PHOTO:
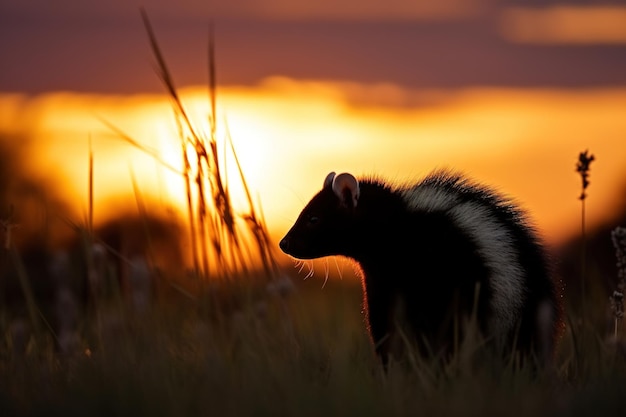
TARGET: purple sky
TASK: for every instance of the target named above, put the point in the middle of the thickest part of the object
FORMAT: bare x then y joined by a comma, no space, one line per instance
102,46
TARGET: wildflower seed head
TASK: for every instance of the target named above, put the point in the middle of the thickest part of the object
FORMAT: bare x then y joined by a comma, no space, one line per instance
583,166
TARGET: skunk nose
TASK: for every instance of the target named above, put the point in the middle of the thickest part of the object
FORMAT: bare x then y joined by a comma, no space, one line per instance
284,244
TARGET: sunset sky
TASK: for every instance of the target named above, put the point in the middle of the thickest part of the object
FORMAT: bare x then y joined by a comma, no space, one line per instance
507,91
101,46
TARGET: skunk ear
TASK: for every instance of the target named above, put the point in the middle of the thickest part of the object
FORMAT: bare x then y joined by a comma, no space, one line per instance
329,179
346,187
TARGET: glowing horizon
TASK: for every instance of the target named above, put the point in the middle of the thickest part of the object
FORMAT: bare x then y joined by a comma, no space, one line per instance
289,134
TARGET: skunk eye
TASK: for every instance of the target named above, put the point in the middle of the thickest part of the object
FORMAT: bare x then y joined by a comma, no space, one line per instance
313,220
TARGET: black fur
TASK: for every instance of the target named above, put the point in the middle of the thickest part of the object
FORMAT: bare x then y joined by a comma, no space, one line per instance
420,269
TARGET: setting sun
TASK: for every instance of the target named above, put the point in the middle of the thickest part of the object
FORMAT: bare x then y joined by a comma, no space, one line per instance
288,135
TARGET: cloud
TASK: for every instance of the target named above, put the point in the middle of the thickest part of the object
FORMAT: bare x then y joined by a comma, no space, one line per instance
366,9
263,9
565,25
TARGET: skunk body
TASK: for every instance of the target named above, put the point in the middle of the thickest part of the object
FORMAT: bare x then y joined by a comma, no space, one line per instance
431,255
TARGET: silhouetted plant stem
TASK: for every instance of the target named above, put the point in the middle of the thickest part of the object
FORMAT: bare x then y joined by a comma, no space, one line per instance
583,166
215,234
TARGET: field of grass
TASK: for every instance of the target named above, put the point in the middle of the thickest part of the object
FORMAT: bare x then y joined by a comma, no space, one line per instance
271,342
301,353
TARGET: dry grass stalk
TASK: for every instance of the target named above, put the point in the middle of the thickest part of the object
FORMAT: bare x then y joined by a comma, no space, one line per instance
583,167
89,238
143,215
215,234
34,312
148,151
256,224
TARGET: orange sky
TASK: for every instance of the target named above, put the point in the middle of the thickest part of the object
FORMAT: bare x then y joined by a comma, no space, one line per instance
509,93
289,134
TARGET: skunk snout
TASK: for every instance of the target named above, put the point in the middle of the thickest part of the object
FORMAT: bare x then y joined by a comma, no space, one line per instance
284,244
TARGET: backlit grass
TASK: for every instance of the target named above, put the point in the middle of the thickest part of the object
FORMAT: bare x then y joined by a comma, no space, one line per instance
231,339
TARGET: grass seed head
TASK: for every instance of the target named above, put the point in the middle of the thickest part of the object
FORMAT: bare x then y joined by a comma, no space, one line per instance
583,166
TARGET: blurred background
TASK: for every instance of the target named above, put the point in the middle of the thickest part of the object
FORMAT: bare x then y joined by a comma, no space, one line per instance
509,92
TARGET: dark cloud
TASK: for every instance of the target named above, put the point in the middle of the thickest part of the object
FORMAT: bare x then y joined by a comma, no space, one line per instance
102,47
267,9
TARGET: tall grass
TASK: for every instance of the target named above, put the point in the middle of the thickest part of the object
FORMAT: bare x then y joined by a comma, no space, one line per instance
618,236
218,351
215,234
177,361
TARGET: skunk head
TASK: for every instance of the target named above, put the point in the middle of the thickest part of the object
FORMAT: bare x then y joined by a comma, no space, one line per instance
326,224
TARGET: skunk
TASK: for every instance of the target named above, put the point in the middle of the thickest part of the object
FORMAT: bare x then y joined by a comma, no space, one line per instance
432,255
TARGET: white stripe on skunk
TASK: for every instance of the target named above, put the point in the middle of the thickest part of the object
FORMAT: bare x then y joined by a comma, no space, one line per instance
423,248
